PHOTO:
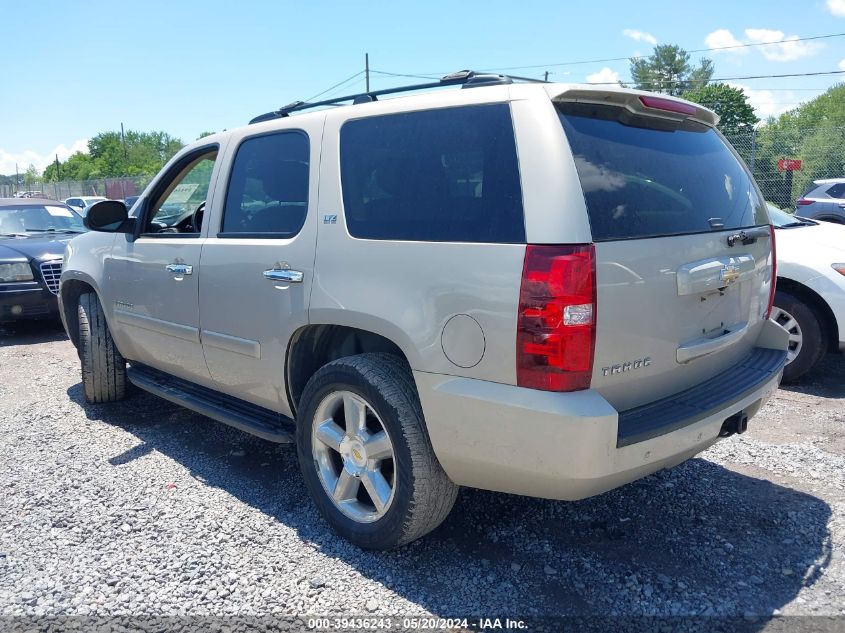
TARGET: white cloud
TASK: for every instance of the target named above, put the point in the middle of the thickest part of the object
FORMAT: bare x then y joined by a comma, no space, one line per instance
836,7
604,76
782,48
31,157
722,38
642,36
778,47
767,103
842,65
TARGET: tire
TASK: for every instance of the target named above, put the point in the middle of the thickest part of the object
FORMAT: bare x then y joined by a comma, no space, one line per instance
807,341
421,494
103,367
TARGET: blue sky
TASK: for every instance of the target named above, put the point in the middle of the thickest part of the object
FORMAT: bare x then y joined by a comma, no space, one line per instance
186,66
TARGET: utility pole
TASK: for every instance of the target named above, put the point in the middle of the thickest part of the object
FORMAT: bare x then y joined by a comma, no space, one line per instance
546,76
58,173
753,149
367,70
17,179
123,142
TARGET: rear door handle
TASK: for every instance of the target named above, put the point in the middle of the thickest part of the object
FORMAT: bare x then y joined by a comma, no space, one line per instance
284,274
180,269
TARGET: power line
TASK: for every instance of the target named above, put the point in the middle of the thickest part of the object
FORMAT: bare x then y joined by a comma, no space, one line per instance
382,72
670,81
715,79
619,59
337,85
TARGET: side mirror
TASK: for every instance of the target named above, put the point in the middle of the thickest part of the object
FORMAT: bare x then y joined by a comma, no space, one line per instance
108,216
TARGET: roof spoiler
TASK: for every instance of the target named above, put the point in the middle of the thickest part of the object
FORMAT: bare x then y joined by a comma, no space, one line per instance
641,103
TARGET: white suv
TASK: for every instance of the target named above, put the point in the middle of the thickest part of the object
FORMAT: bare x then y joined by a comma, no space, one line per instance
539,289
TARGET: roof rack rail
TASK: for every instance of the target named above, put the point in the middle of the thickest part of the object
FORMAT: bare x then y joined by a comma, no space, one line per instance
463,78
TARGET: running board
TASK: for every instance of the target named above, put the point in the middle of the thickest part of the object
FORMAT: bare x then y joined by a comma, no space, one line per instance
250,418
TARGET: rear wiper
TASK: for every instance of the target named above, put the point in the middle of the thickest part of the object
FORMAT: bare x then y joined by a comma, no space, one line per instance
748,236
52,230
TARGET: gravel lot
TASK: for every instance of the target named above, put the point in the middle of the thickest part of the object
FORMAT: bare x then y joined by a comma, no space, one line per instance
144,508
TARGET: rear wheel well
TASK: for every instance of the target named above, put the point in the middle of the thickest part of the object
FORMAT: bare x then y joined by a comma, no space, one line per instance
811,298
71,291
315,345
831,218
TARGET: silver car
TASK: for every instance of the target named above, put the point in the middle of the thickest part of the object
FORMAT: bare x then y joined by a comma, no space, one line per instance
824,200
539,289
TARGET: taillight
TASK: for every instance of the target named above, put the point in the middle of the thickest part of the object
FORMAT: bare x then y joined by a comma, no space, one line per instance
556,324
803,202
658,103
774,272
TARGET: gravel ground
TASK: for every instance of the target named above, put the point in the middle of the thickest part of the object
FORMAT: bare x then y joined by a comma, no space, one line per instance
144,508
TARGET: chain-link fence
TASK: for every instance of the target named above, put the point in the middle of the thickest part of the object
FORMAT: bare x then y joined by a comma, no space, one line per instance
115,188
786,162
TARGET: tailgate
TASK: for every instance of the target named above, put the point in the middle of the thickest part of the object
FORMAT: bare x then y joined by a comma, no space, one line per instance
674,312
681,296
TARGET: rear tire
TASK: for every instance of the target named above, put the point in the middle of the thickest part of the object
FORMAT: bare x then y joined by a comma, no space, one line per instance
418,494
807,341
103,367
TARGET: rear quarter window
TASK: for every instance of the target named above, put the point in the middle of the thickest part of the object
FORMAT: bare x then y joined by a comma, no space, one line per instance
837,190
644,178
444,175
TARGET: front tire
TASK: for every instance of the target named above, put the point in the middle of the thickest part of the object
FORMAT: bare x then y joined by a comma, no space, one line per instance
365,455
103,367
807,343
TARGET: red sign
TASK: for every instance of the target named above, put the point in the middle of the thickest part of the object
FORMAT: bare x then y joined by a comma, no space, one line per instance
789,164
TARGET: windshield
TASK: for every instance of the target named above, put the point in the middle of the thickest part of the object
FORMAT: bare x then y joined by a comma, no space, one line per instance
643,177
781,219
28,218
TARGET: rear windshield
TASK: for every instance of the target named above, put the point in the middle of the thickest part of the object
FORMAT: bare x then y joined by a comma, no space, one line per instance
649,178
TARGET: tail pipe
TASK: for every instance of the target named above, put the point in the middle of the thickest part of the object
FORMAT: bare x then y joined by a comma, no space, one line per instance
737,423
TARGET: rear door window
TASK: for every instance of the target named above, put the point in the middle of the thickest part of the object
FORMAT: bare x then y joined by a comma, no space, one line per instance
648,178
444,175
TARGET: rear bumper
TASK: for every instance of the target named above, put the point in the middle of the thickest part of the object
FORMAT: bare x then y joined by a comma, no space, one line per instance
563,445
29,302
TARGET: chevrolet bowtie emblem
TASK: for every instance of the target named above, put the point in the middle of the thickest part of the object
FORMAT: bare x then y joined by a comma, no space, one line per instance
729,273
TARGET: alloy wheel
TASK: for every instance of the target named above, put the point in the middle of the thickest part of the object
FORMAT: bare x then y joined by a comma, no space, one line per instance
354,456
790,324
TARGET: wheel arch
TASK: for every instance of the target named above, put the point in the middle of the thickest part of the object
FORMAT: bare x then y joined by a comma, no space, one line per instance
836,219
819,305
313,346
70,291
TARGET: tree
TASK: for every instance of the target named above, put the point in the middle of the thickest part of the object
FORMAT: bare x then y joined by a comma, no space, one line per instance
668,70
110,156
813,133
731,104
31,176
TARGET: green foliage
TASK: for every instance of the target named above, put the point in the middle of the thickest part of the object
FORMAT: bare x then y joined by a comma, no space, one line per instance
668,70
30,177
814,133
735,113
144,154
204,134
